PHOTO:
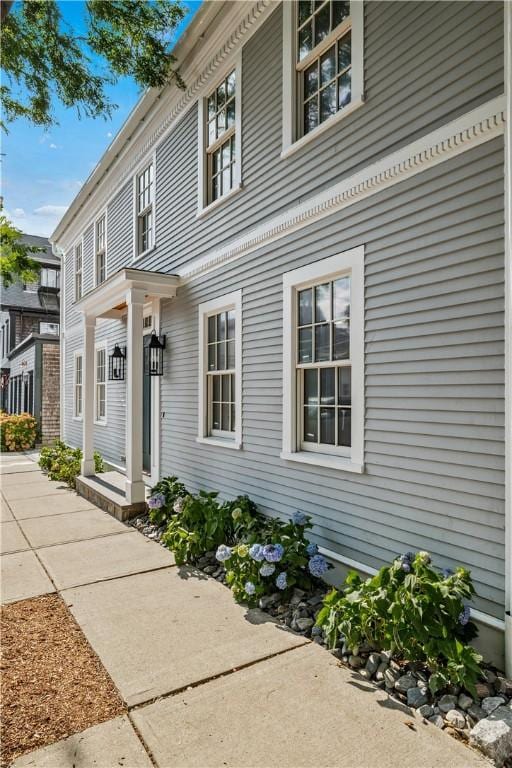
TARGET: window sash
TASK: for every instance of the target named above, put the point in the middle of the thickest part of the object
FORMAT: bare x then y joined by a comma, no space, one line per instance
78,272
145,231
78,385
220,138
101,387
100,267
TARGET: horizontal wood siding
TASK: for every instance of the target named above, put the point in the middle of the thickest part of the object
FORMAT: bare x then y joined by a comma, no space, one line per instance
120,230
434,377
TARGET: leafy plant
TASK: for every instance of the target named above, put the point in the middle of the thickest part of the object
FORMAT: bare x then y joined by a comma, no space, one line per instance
16,262
200,526
18,431
413,610
61,462
277,556
164,495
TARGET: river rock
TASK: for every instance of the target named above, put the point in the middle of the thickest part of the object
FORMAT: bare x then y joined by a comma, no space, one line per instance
426,711
372,664
437,720
455,718
356,662
464,701
476,712
492,703
416,697
493,735
503,686
379,675
405,682
447,702
390,677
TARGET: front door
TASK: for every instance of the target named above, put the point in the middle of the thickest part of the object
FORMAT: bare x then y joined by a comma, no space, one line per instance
146,414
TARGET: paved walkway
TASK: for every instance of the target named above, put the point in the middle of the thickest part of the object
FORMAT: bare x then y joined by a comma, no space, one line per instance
206,683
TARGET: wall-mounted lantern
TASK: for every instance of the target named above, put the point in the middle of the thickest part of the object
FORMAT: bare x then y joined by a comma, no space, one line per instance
116,363
154,356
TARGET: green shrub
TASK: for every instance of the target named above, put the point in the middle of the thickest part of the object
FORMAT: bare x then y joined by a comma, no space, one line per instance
17,431
163,497
277,556
414,611
62,463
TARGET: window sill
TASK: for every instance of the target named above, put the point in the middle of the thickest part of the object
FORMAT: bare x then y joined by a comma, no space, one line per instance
220,442
77,418
323,460
140,256
212,206
100,423
290,149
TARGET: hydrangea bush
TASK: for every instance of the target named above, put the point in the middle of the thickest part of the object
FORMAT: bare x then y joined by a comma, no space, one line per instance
18,431
413,610
275,558
61,462
167,493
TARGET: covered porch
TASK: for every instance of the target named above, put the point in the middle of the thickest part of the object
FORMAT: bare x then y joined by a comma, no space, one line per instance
123,296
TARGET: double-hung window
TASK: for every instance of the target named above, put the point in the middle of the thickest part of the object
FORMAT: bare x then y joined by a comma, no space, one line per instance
78,386
323,67
78,271
100,249
323,362
220,137
52,328
220,371
100,390
145,212
50,278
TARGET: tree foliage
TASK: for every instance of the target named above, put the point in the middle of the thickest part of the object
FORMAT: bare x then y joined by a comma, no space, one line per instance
15,260
43,59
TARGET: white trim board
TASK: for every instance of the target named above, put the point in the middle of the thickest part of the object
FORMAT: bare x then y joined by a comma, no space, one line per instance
466,132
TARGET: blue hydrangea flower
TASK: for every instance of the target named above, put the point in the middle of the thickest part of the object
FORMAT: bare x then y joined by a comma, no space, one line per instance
447,572
318,565
299,518
281,581
273,552
156,501
267,569
311,549
249,588
223,553
465,615
256,552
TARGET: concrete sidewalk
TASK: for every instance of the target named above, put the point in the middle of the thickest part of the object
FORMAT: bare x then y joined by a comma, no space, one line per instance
206,683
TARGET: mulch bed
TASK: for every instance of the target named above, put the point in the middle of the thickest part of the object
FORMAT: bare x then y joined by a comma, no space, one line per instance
53,684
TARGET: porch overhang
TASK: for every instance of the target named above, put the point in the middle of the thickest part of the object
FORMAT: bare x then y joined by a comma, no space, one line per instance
109,298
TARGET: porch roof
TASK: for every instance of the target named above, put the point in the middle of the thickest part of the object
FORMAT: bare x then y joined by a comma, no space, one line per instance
109,298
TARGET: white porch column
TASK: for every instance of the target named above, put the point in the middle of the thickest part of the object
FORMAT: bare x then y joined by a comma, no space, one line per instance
135,489
88,396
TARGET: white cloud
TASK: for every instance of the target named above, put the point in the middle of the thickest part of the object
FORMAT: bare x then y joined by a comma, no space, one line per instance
51,210
109,135
18,212
53,146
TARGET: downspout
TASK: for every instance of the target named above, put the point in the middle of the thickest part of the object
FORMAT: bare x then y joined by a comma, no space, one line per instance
508,338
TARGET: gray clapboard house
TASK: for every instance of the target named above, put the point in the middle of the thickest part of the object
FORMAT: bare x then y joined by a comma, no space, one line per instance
313,230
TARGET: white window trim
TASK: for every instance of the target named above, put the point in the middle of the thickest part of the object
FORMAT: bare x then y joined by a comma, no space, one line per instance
80,242
203,208
290,142
95,251
213,307
151,160
78,353
97,346
353,261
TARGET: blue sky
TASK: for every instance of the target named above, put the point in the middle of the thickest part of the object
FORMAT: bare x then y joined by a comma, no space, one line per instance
42,171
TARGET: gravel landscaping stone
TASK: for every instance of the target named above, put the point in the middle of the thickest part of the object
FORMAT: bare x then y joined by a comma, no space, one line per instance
356,662
464,701
493,735
455,718
492,703
373,663
416,697
437,720
476,712
405,682
447,702
426,711
503,686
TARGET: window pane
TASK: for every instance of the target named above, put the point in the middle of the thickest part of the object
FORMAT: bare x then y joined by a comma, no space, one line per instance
305,307
211,131
230,84
232,417
221,356
216,416
225,417
322,351
310,115
344,90
225,389
311,80
221,95
344,419
322,303
322,23
216,388
305,347
304,10
231,354
211,328
344,385
311,386
231,324
211,357
226,180
327,425
340,11
341,294
341,340
305,41
221,326
327,385
230,113
328,66
310,424
344,49
328,102
221,122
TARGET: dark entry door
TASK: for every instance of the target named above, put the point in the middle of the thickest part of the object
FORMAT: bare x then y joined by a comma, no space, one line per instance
146,414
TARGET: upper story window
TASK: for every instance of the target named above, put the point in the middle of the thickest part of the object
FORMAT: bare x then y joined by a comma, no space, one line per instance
145,213
78,271
323,67
324,362
220,363
50,278
220,132
100,249
52,328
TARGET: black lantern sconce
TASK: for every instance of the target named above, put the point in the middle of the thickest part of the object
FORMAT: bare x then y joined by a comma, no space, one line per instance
154,356
116,363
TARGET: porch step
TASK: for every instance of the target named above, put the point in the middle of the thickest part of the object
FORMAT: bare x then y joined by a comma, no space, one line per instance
107,492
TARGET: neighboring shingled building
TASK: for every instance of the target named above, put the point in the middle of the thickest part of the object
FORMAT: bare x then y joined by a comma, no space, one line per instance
29,344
